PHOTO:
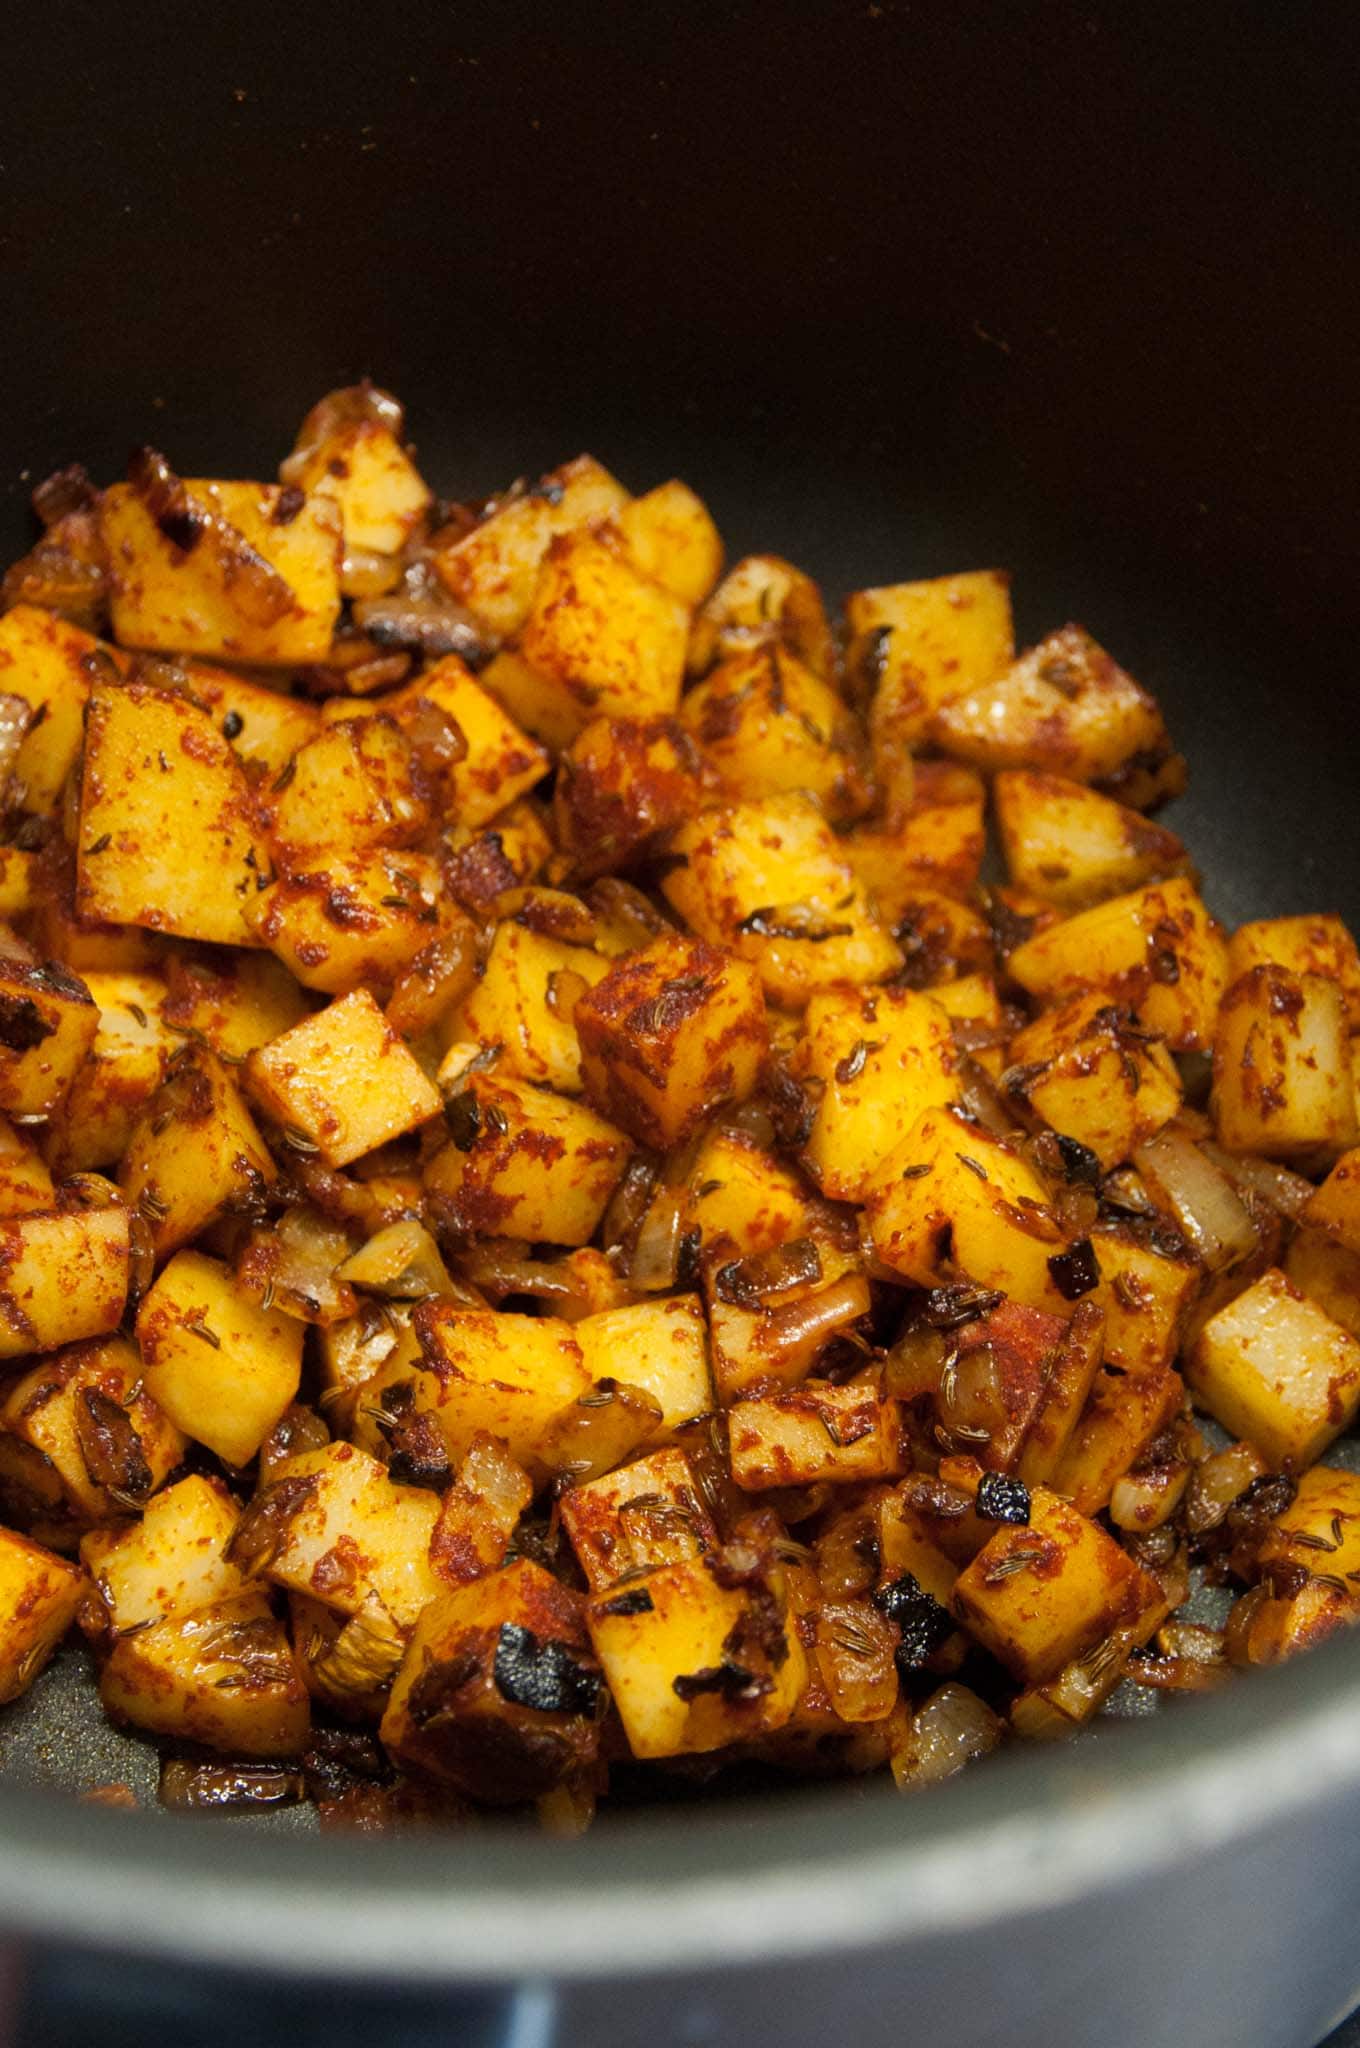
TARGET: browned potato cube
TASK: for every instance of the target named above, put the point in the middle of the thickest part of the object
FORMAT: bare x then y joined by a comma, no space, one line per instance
764,599
518,1004
39,1595
502,762
1128,1409
81,1441
223,1676
168,830
1088,1072
124,1068
264,724
25,1182
1282,1068
1146,1289
816,1432
194,1153
480,866
1037,1596
769,725
49,663
499,1692
1065,708
358,920
63,1272
915,646
934,843
171,1561
238,1001
48,1023
220,1367
769,880
506,1375
1272,1368
349,791
344,1080
1157,950
876,1061
669,1035
643,1516
1301,945
670,536
659,1347
740,1191
622,784
494,568
524,1163
602,637
1072,846
361,465
81,943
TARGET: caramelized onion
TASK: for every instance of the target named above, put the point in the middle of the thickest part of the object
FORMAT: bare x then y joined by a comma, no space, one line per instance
1203,1201
952,1729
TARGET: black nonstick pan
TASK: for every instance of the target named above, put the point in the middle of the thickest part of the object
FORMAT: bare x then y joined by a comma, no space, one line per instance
901,289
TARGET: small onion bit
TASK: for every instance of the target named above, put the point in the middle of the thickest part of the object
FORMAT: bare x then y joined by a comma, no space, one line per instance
227,1788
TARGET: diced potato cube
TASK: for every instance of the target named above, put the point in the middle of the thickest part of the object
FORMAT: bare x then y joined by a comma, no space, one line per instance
81,1441
1070,1374
1156,950
48,1023
1065,708
223,1676
335,1526
194,1153
25,1182
498,1693
1037,1596
39,1595
740,1191
168,833
171,1561
763,598
378,490
80,942
1127,1410
361,919
1074,847
263,724
536,702
349,791
1328,1273
50,664
658,1346
603,637
935,843
1146,1290
758,1351
817,1431
769,725
508,1375
480,866
940,938
669,1035
1272,1368
1320,1529
636,1519
524,1163
622,784
877,1060
118,1077
1282,1068
63,1275
237,1002
769,880
692,1663
235,571
516,1004
344,1079
502,762
494,568
952,1201
907,1542
221,1368
1088,1072
1302,945
670,537
17,869
917,645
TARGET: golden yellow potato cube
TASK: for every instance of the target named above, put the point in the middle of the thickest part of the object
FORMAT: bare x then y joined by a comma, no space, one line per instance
502,761
763,598
379,492
641,1517
1146,1290
817,1431
509,1375
168,832
622,785
1320,1529
48,1024
238,1001
1282,1067
770,881
534,701
350,791
1127,1410
25,1182
1073,846
1088,1072
740,1191
220,1367
493,569
334,1525
50,664
877,1060
498,1692
224,1676
235,571
122,1071
171,1561
344,1079
1156,950
603,637
934,842
522,1162
1303,945
517,1004
668,1035
39,1595
688,1663
951,1202
81,1440
1273,1368
195,1152
1064,708
917,645
63,1275
670,537
60,932
769,725
1036,1596
659,1346
359,919
263,724
17,871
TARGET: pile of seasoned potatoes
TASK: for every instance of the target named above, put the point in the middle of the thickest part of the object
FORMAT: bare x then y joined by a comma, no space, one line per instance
549,1217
